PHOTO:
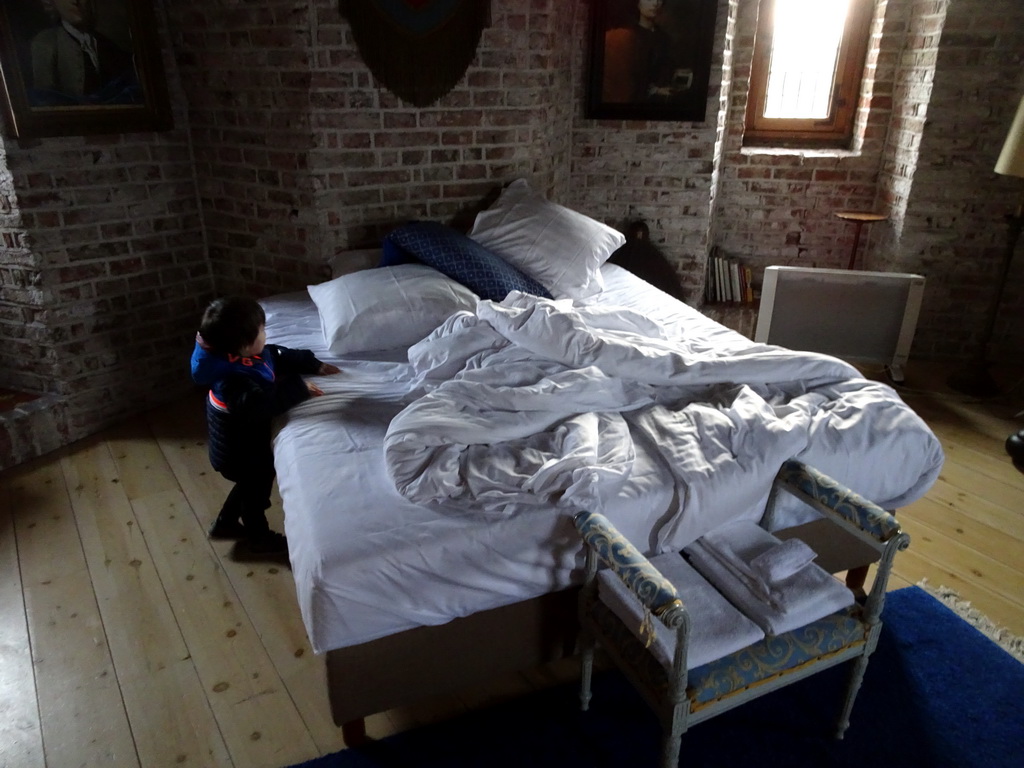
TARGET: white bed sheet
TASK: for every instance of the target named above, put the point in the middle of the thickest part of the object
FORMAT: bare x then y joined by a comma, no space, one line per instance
368,563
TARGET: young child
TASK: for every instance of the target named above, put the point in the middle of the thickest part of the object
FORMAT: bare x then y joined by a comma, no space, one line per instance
249,383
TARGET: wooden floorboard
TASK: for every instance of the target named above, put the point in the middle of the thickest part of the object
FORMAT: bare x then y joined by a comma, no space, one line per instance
252,708
145,639
81,707
21,740
128,638
262,587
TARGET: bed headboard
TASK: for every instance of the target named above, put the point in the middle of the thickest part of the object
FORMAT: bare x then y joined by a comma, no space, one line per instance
346,262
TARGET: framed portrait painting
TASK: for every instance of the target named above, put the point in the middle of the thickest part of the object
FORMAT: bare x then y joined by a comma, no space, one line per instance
80,67
650,59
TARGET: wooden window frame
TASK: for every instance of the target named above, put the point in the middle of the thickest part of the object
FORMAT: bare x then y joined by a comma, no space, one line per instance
837,129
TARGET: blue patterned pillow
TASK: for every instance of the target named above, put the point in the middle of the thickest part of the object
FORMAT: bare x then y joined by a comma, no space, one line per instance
455,255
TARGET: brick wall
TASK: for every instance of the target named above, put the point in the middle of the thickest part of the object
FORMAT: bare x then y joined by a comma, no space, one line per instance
301,154
779,207
113,263
286,152
915,30
942,83
953,229
911,46
661,172
104,270
26,360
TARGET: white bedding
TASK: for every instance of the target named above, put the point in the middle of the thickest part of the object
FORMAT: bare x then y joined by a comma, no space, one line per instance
588,420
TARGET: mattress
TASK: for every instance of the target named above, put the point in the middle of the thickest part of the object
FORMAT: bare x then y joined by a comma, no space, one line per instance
369,563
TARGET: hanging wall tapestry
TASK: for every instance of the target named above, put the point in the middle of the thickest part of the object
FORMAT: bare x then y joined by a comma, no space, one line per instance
417,49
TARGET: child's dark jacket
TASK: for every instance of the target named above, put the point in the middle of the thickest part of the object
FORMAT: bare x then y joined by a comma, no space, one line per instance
245,394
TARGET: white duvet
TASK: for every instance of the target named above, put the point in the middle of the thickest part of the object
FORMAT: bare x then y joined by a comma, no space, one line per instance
532,402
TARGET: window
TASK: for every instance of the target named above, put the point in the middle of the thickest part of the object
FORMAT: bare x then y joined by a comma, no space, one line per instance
806,73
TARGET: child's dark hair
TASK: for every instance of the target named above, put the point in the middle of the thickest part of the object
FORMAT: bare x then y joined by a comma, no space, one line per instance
231,323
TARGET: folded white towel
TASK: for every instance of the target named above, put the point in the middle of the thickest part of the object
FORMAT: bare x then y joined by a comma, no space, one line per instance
736,545
782,561
805,596
716,627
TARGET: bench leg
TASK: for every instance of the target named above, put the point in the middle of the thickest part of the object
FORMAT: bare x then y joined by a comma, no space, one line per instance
670,746
860,664
586,668
354,733
855,578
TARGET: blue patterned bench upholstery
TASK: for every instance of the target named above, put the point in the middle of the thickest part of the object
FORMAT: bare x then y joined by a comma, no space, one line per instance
683,697
773,656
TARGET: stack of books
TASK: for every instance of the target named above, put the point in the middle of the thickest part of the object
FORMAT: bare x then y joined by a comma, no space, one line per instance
728,281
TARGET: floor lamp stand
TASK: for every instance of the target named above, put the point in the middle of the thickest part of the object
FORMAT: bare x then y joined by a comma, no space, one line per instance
976,379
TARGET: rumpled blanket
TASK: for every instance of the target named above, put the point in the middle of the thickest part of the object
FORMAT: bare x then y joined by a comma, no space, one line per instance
534,401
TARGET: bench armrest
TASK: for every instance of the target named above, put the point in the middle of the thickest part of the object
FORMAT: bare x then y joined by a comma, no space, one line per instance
611,547
829,496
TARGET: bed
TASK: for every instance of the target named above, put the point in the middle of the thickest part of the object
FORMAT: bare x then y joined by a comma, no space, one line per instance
429,494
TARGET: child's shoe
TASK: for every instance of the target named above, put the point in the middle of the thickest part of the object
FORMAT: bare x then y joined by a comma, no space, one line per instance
267,543
226,528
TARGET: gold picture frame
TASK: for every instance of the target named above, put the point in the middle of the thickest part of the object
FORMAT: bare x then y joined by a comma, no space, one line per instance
81,67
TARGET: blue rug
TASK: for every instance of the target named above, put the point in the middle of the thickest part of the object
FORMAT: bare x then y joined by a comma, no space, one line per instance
937,693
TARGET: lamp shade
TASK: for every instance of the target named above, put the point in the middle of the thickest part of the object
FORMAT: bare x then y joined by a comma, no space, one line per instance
1011,159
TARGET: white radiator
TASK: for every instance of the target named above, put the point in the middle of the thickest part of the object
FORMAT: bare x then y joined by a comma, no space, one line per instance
858,316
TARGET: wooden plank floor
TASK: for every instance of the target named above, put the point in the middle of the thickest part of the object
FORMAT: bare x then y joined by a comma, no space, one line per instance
127,638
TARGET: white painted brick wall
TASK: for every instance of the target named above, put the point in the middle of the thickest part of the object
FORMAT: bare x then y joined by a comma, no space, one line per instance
286,152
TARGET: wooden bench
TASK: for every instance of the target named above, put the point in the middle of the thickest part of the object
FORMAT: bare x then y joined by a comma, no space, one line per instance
689,680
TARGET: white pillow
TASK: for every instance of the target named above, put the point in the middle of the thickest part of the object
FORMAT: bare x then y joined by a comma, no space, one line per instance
561,249
386,307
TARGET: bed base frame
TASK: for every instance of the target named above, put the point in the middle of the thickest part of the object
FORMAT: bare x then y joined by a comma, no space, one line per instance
421,663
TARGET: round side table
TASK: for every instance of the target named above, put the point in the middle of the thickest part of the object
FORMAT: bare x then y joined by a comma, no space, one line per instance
859,218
